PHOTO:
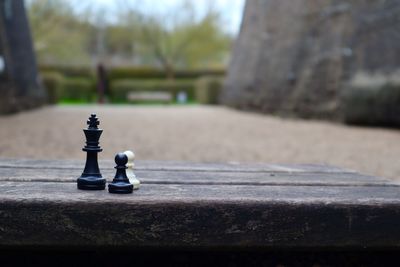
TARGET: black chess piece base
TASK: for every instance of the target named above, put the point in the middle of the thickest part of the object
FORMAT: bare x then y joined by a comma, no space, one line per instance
91,183
120,188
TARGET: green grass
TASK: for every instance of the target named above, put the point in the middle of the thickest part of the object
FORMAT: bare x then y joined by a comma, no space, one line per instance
74,102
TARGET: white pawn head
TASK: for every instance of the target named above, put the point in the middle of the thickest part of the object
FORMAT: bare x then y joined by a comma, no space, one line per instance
131,158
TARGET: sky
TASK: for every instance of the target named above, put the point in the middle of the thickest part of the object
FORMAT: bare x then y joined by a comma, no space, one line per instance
230,10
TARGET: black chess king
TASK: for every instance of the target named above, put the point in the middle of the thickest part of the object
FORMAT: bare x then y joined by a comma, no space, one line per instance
91,178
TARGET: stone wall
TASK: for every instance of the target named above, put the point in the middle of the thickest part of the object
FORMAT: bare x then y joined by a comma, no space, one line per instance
295,57
19,83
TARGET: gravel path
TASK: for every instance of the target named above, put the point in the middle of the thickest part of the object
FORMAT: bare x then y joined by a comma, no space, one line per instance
198,133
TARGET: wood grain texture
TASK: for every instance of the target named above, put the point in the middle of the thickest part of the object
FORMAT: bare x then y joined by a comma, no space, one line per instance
307,206
198,177
176,166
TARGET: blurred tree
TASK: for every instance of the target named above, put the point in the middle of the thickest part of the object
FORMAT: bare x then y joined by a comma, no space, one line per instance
60,36
177,39
119,40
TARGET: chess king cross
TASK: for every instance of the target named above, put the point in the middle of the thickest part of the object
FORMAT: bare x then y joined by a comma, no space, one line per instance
124,181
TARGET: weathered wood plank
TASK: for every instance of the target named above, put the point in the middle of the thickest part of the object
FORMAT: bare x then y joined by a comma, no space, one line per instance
177,166
196,177
58,214
165,193
199,205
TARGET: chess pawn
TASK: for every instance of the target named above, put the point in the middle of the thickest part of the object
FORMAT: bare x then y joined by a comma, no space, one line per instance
91,178
129,171
120,184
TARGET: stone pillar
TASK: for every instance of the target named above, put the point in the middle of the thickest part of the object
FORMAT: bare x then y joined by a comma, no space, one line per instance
294,57
19,82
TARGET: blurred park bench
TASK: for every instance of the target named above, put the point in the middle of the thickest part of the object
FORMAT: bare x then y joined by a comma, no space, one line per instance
163,97
194,206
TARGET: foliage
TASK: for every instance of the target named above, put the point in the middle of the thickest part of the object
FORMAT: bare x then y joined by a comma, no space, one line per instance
58,34
77,89
154,73
60,88
372,105
78,83
208,89
120,88
69,71
174,40
52,83
117,73
179,40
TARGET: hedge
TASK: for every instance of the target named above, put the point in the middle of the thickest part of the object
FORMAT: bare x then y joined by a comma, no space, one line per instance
120,88
70,71
77,89
372,105
52,82
118,73
123,73
153,73
208,89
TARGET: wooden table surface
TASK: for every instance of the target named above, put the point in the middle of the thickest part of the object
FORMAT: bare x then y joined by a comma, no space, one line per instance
196,205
